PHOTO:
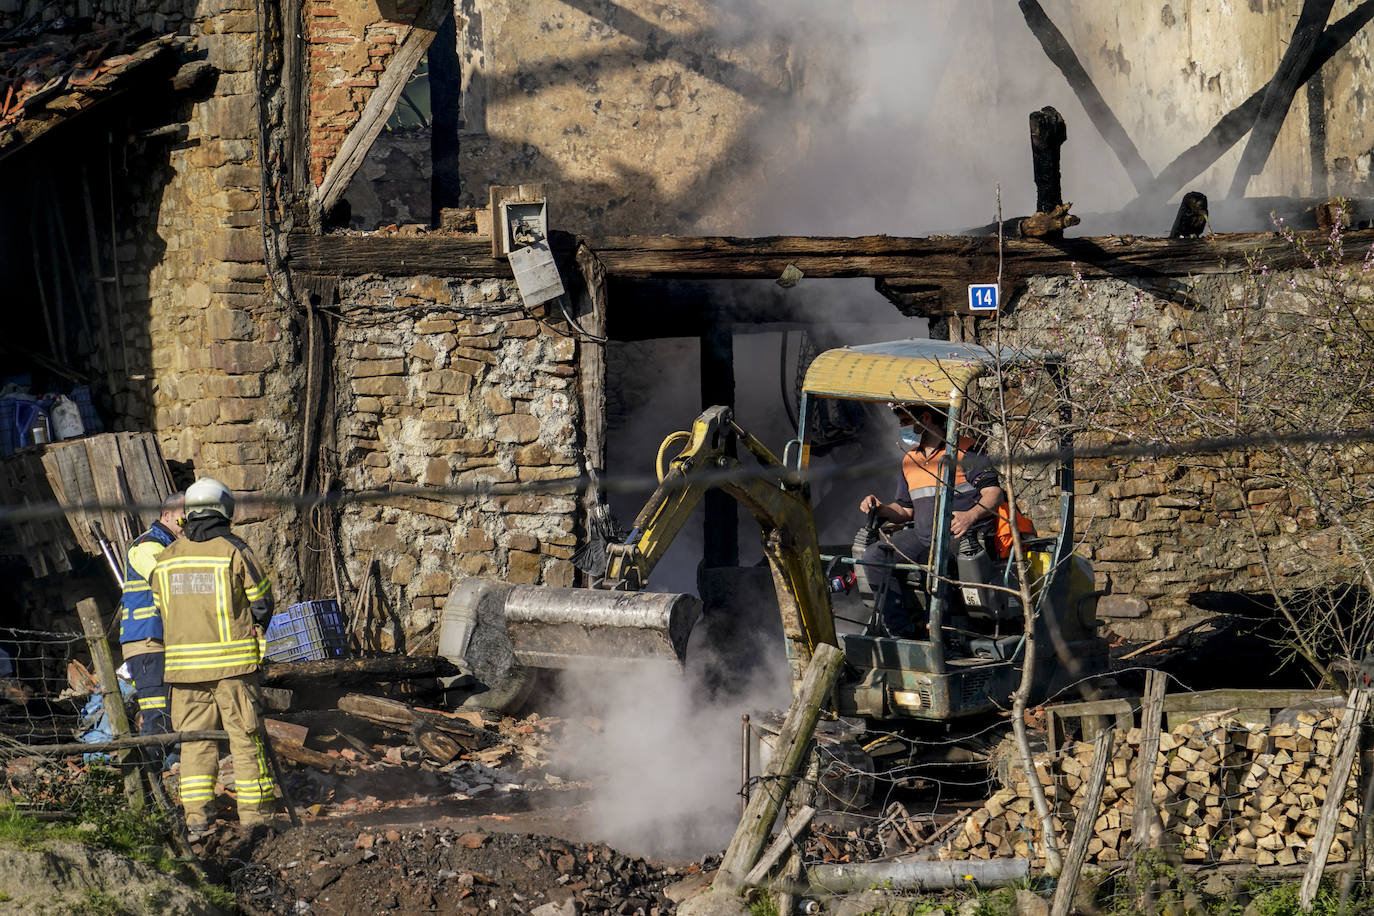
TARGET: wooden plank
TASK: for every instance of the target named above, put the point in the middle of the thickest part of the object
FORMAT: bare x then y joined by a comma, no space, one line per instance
1203,701
1347,743
937,259
1278,94
1150,715
290,732
381,103
103,658
1083,823
342,672
789,835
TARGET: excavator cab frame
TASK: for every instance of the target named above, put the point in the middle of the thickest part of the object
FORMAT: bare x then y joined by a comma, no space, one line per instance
498,631
953,673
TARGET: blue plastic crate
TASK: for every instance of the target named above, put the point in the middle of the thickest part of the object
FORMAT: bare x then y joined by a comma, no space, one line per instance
309,631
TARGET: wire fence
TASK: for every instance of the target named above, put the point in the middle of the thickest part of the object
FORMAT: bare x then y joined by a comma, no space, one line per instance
43,687
1239,803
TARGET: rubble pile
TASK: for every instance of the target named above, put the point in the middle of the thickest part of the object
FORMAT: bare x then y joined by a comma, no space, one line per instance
1224,793
438,870
897,832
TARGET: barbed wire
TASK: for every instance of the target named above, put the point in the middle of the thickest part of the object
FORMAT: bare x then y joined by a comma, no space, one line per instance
38,511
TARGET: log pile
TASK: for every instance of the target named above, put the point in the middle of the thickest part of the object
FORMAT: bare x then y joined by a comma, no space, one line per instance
1222,793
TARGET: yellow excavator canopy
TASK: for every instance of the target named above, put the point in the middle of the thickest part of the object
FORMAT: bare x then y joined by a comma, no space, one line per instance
915,370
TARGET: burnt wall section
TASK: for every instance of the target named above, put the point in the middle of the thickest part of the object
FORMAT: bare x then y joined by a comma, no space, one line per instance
349,45
446,384
1171,539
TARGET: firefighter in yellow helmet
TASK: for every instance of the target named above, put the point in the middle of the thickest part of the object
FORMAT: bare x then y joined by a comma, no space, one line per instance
214,595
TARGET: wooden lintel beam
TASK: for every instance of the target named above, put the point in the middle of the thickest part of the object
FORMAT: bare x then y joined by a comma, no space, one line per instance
381,103
938,260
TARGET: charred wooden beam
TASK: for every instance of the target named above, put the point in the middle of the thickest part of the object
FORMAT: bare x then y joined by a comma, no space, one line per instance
1047,134
338,672
1235,123
935,260
1062,55
1278,95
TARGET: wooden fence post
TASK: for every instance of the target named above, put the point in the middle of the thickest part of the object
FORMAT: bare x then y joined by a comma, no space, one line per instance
1343,754
1083,823
1151,714
89,612
793,741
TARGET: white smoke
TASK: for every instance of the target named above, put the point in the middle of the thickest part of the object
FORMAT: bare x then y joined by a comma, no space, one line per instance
662,755
904,117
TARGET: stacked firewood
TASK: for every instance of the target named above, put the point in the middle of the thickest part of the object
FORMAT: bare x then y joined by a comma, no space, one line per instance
1222,792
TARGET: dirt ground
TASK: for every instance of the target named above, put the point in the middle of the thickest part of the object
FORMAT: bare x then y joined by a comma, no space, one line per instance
435,868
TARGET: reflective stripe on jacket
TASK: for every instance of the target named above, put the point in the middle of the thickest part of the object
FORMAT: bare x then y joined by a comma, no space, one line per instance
138,617
923,475
206,590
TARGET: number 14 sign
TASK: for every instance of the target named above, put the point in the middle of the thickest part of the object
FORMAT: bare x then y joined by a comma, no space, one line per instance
982,297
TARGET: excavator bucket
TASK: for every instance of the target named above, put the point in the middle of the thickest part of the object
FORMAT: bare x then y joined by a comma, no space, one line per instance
572,627
549,627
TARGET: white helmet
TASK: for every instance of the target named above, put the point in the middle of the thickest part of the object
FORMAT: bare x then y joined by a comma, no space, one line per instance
209,495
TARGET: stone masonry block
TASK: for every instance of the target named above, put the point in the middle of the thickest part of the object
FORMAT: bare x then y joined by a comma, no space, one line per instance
375,367
229,324
228,53
448,381
522,568
202,413
382,386
474,540
233,117
236,245
1122,606
241,477
517,427
240,410
242,358
233,386
437,472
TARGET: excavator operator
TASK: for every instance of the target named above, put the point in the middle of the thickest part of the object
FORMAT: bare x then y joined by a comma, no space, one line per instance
977,494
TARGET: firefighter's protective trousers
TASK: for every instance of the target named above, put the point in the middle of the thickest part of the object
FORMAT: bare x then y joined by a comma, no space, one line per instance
231,703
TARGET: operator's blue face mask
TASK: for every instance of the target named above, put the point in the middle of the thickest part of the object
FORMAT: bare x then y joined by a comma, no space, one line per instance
910,438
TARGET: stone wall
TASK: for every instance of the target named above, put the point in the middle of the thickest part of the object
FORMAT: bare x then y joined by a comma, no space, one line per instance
212,364
1165,535
448,384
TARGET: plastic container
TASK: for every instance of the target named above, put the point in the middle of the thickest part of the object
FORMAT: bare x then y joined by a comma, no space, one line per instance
309,631
65,417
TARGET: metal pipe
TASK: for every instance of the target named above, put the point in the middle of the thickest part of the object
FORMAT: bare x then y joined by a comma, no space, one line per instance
918,875
744,766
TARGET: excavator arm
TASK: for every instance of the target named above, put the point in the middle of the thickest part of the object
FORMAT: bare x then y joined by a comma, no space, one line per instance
498,630
781,508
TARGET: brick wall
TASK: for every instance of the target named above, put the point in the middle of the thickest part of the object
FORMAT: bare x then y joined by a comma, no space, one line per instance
447,384
349,43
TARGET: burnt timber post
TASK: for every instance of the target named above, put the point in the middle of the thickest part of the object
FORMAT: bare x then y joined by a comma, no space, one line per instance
720,534
1047,135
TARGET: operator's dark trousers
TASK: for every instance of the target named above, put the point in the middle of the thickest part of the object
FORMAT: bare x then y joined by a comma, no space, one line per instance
153,707
889,603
